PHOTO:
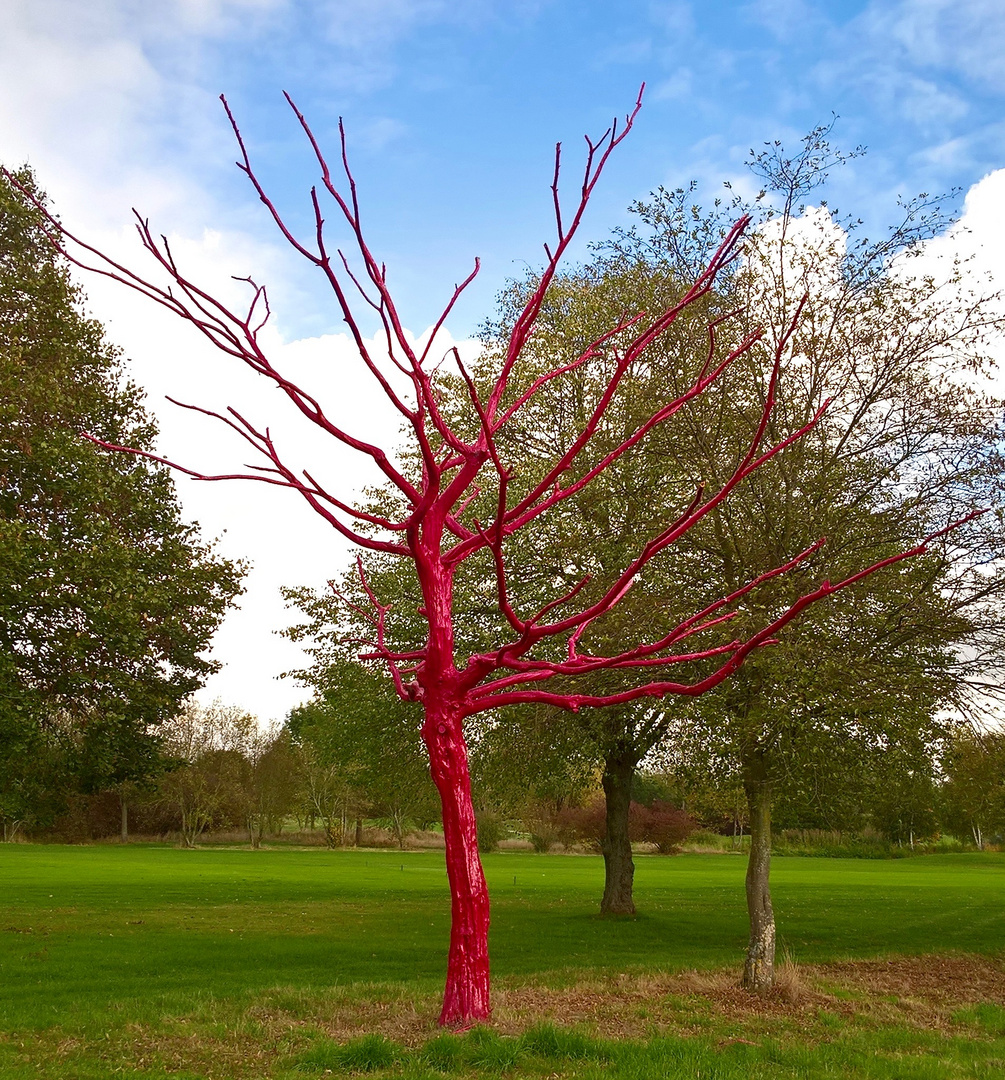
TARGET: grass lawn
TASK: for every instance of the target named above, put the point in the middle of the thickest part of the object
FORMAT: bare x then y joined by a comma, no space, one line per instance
147,961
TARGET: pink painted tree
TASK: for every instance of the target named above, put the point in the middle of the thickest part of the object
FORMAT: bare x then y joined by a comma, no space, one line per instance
437,533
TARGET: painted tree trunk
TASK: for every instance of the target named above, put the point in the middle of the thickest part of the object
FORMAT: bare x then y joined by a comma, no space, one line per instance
466,996
759,968
619,869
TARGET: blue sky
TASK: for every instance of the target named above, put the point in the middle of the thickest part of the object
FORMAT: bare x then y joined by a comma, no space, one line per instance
452,111
453,108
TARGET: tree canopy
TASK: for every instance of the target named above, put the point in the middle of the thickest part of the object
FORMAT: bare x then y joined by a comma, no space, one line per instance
108,598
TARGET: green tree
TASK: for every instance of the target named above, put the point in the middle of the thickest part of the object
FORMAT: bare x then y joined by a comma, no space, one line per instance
107,597
904,449
972,794
362,739
210,751
271,786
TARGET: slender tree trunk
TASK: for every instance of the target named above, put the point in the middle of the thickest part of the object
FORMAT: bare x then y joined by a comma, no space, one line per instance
466,997
331,839
619,869
124,828
759,968
358,840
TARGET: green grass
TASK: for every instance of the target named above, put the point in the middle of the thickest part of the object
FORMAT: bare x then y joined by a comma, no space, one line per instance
154,959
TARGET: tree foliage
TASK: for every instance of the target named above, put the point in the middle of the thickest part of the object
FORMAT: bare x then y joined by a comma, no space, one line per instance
108,599
363,742
904,446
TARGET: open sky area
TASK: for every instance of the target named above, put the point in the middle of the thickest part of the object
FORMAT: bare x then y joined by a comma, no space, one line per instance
452,110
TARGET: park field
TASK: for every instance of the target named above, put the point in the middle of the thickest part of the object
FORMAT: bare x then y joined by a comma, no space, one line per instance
154,962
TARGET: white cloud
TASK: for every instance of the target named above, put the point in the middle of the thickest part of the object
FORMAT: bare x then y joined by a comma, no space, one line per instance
679,86
966,37
286,542
675,17
109,100
962,36
977,240
786,19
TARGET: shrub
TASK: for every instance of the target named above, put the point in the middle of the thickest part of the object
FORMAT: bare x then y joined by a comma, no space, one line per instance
662,825
490,830
542,836
582,824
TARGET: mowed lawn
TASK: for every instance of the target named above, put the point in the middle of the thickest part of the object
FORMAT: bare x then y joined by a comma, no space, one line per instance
99,941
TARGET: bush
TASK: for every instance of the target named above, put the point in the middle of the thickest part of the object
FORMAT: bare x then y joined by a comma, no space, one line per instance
662,825
582,824
490,830
542,836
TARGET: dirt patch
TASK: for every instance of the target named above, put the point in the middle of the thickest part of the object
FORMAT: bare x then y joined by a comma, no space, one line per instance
809,999
949,980
921,991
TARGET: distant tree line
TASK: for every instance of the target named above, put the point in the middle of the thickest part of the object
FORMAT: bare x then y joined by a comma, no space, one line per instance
318,779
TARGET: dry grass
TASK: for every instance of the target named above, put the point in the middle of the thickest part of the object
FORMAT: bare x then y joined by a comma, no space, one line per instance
920,992
219,1043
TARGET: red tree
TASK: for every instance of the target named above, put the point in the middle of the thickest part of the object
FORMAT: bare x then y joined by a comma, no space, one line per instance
437,533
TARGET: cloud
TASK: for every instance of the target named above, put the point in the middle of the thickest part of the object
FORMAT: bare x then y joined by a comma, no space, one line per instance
786,19
285,541
978,236
962,37
975,244
678,87
676,18
113,102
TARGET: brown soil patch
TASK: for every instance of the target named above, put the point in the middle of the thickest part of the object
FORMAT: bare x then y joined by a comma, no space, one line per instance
948,980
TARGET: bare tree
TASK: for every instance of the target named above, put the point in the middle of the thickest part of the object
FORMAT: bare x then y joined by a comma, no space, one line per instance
537,654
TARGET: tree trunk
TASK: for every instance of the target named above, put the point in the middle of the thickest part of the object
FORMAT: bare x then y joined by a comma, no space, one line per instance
466,996
759,968
619,869
124,829
358,840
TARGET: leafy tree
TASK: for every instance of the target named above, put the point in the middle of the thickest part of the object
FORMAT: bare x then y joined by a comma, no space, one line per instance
904,449
271,785
972,794
107,598
210,750
359,732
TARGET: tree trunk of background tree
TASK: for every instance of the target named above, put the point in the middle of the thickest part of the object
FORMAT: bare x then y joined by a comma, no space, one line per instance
124,831
358,839
466,996
619,869
759,968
